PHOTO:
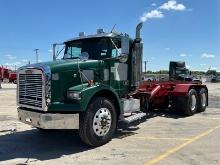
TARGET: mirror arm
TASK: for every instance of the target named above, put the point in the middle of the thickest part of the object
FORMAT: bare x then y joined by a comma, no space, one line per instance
115,45
55,55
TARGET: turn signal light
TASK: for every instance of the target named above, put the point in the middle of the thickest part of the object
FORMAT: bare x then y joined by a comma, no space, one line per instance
90,83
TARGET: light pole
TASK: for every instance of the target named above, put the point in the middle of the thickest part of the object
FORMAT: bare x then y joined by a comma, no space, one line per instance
37,56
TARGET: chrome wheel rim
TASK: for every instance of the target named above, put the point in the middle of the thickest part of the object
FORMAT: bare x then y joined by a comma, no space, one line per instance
203,99
102,122
193,102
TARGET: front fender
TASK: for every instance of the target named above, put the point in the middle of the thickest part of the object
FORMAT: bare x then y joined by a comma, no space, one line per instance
88,92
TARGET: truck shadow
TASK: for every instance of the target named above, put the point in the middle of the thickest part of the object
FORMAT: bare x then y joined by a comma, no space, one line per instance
125,130
167,113
52,144
40,145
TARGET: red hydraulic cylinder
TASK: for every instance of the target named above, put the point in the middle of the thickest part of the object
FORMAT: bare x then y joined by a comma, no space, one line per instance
155,91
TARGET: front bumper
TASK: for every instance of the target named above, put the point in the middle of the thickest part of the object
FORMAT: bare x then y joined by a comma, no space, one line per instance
49,120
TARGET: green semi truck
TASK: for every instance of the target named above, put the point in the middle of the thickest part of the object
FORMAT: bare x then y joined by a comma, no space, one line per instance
94,85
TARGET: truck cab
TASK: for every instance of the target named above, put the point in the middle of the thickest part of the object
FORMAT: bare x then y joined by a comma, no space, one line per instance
179,72
87,89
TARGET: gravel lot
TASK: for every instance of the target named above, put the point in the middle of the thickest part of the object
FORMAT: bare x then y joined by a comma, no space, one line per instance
161,138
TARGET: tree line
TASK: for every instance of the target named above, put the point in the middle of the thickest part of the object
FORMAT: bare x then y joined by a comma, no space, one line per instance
209,72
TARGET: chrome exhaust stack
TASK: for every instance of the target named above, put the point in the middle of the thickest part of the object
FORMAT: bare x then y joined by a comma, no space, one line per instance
137,58
138,32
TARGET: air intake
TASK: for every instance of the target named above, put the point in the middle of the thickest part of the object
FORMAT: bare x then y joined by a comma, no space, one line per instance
100,31
82,34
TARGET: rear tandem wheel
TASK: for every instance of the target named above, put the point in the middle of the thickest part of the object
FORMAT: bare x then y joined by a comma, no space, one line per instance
187,105
202,100
192,103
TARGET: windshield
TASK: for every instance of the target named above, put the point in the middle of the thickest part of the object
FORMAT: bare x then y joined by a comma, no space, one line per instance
92,48
182,71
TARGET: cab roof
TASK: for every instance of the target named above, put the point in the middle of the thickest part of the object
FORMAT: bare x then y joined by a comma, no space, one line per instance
110,35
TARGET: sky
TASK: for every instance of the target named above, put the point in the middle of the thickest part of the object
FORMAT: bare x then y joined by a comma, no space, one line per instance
178,30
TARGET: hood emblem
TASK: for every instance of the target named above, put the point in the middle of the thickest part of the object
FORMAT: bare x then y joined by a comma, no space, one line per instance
29,71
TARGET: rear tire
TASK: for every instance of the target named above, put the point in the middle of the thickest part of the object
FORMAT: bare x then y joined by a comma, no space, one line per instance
202,100
186,105
98,123
191,104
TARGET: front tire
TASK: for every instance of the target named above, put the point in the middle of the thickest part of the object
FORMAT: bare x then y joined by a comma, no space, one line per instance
15,81
98,123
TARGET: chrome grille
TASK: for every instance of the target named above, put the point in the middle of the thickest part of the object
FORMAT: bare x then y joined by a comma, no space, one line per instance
30,90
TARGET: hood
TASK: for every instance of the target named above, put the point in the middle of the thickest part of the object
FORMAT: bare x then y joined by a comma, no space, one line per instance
64,65
185,77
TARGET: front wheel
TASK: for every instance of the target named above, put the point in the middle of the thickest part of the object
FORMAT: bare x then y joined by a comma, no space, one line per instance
98,123
15,81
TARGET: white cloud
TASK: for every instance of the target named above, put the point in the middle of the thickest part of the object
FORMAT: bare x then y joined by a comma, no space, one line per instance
203,64
167,49
50,50
153,58
13,64
17,63
153,4
207,55
212,68
185,55
157,13
152,14
7,55
172,5
188,66
10,57
24,60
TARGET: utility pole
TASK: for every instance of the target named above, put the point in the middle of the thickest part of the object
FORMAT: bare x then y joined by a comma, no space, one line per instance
37,56
145,66
1,77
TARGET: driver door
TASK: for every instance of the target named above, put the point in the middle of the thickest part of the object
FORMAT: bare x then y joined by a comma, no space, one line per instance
119,66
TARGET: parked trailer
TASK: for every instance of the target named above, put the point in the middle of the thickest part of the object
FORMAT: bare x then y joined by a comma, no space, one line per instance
95,85
13,77
187,98
8,74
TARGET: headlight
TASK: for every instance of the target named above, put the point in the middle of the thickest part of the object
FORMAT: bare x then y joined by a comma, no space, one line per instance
55,76
73,95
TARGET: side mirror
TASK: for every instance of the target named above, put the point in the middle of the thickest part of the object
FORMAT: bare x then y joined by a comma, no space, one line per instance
123,58
56,53
124,45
